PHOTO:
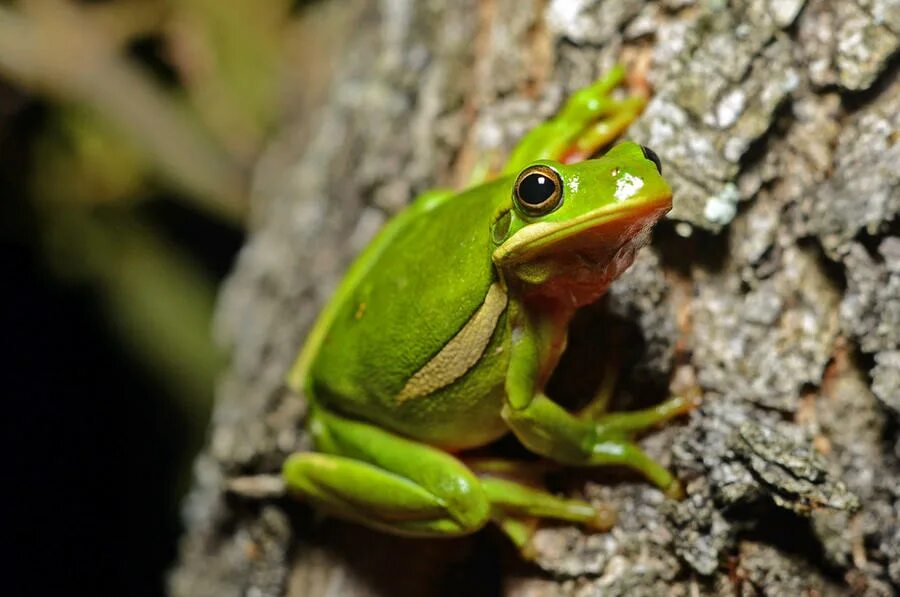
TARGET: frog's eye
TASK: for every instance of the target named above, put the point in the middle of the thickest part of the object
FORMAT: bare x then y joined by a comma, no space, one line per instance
538,190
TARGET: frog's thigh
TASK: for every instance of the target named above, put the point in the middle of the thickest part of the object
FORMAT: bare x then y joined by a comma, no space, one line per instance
386,481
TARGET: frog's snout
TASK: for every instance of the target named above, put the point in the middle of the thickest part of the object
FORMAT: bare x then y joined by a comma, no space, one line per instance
651,155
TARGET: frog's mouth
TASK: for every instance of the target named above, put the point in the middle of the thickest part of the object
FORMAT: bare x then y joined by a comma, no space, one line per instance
593,238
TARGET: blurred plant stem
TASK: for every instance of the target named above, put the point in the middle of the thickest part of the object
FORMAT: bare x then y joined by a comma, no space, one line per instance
230,55
57,48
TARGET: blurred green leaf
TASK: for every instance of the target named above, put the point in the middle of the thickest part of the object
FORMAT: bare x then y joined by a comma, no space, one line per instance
81,159
230,55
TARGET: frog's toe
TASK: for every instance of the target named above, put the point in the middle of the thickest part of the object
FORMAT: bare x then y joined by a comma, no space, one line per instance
604,519
675,490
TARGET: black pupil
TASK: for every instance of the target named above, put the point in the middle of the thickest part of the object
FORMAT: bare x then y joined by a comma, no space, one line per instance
536,188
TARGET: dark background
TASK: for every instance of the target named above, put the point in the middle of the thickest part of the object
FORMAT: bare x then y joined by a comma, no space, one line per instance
128,135
95,445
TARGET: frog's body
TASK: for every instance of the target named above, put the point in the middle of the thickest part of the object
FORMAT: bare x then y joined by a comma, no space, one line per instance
348,373
447,327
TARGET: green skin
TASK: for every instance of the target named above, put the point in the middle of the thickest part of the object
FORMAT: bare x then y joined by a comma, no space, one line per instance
445,330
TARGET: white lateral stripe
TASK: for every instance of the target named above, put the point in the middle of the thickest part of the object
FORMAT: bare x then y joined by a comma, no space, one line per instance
462,352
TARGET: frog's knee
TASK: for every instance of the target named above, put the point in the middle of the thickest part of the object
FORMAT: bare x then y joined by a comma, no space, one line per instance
468,505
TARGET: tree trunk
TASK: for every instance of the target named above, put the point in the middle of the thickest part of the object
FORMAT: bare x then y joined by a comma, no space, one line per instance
773,293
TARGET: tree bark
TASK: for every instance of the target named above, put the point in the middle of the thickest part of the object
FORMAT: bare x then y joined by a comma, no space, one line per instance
773,293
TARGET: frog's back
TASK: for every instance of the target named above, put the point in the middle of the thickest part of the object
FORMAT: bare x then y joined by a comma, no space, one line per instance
406,297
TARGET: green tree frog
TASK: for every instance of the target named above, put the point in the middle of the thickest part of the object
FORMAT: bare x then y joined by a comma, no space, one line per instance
446,328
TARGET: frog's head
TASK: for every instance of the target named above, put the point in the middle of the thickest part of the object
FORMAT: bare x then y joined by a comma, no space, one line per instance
570,230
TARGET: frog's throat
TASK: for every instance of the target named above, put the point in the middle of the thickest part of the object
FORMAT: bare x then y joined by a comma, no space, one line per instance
536,238
462,352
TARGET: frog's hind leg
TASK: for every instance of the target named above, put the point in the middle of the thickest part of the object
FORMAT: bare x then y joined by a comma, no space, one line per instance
590,120
385,481
517,508
513,498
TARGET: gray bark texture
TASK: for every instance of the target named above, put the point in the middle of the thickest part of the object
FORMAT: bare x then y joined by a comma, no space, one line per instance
773,294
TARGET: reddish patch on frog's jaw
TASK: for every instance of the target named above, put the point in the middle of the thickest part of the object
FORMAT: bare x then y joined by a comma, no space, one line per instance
584,264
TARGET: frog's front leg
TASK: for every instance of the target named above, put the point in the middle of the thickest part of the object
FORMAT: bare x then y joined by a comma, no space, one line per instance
546,428
631,421
385,481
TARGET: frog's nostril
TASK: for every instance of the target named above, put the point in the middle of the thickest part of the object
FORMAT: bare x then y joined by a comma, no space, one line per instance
651,155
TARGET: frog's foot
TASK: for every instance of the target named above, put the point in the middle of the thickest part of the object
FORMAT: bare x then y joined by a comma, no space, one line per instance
517,510
381,480
590,120
548,429
619,424
520,531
